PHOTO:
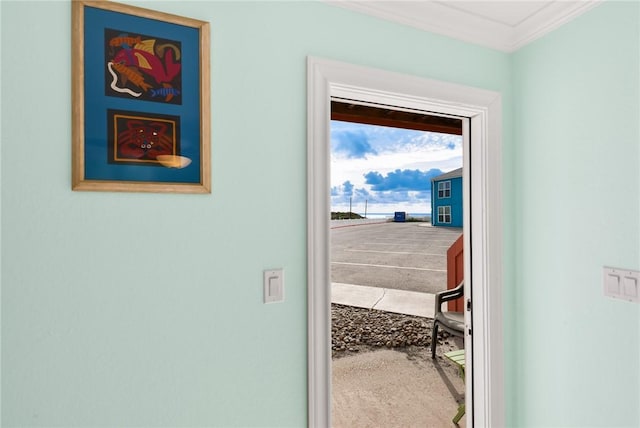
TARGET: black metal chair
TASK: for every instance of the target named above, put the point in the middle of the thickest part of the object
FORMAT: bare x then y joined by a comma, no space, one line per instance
451,322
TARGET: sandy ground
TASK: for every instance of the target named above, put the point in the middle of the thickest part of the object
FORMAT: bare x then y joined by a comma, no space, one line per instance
390,388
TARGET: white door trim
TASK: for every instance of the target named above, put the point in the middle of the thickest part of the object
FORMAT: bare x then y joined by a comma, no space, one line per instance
327,78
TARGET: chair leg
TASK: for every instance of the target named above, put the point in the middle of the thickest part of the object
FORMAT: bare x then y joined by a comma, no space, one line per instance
434,339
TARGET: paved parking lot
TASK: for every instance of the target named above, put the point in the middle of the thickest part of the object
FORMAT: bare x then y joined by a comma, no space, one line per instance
402,256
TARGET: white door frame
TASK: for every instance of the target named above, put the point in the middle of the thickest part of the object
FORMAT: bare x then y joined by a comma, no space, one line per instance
483,169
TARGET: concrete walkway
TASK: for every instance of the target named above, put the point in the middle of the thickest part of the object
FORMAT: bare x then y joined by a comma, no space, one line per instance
393,389
384,299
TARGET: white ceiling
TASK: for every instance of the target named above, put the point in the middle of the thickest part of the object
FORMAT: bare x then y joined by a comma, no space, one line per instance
503,25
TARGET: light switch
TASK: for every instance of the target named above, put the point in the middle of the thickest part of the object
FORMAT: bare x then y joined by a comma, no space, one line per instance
273,284
613,285
630,287
621,283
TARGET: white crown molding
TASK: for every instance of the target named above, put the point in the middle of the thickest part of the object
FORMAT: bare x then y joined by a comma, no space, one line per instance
437,17
551,18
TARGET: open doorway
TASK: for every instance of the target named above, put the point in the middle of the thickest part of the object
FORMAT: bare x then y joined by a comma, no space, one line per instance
328,79
388,261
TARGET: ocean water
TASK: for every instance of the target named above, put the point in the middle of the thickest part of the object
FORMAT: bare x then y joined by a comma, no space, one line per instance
391,215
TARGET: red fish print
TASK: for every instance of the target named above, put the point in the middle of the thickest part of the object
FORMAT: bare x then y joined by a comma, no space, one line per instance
161,67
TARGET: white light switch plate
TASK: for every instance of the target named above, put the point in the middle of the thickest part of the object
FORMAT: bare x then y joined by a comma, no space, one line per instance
621,283
273,283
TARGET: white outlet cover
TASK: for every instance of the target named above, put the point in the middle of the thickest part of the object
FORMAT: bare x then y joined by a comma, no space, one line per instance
273,285
621,283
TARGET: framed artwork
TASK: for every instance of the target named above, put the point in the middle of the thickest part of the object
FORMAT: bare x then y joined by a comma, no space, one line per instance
141,107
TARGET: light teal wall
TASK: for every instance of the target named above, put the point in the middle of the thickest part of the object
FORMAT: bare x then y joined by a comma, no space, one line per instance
146,309
577,157
133,309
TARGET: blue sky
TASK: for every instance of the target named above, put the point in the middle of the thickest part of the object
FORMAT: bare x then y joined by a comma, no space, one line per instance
390,168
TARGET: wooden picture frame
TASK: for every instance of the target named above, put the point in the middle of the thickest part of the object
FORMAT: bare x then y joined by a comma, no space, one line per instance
140,100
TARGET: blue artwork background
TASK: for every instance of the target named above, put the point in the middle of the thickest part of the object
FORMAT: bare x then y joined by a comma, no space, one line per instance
97,166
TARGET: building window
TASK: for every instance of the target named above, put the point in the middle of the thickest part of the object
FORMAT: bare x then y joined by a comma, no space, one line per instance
444,214
444,189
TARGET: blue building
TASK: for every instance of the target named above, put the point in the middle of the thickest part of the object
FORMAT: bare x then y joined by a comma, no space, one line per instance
446,199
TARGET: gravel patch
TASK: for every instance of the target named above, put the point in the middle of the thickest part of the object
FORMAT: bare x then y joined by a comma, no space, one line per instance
357,330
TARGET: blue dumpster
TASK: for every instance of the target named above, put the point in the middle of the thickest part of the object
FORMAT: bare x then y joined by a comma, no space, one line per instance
399,216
